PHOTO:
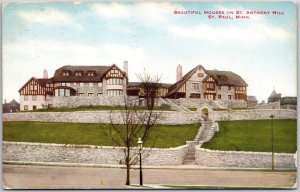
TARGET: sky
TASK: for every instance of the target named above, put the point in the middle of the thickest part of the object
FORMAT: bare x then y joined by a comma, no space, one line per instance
261,49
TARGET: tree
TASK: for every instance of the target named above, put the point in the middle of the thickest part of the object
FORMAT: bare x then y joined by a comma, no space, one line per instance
136,122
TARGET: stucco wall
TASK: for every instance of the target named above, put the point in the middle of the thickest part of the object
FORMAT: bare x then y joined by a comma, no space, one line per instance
39,102
234,159
38,152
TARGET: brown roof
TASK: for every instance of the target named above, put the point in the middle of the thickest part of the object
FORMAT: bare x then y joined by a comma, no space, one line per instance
221,78
100,71
43,82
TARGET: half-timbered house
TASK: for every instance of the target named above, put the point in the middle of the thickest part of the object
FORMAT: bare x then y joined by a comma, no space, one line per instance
73,81
209,84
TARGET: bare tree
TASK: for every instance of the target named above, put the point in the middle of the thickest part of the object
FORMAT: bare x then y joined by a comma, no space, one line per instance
135,122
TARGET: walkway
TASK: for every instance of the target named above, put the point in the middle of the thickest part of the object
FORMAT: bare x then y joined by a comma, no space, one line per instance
54,177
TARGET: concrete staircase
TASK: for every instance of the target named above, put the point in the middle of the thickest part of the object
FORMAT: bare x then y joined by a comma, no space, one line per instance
190,156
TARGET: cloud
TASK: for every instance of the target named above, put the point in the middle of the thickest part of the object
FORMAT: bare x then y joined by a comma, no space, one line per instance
111,10
50,17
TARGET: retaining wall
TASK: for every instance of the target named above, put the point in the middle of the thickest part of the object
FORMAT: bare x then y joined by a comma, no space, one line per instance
165,117
252,114
39,152
228,159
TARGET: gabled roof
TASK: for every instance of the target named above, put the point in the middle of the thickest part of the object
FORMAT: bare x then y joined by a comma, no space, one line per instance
41,82
100,71
221,78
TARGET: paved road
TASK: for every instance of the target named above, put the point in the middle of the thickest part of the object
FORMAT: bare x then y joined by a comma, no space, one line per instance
44,177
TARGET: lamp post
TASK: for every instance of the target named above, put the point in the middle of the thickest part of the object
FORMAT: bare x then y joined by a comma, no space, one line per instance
272,117
140,145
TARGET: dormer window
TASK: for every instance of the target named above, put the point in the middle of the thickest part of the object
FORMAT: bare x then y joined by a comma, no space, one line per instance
78,73
66,73
91,73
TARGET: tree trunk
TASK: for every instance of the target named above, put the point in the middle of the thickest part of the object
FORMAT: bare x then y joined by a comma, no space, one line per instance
128,166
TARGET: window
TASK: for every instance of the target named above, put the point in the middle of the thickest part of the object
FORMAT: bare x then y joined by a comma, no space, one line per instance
114,92
229,88
66,73
91,84
114,81
114,71
63,84
34,107
25,107
90,94
200,74
68,84
219,96
75,84
51,85
99,84
195,95
25,97
210,86
33,87
91,74
78,73
68,92
99,94
34,97
81,94
229,96
195,85
81,84
47,85
61,92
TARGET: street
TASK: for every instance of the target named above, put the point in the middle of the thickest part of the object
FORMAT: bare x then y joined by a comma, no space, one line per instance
54,177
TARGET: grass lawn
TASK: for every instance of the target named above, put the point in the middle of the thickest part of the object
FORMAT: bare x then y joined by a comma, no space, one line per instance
162,136
255,135
96,108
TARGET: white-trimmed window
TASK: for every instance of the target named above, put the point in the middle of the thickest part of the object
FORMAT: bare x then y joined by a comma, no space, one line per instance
66,73
75,84
68,84
91,74
99,84
81,94
25,107
78,73
34,97
25,97
114,81
90,94
63,84
99,94
91,84
114,92
81,84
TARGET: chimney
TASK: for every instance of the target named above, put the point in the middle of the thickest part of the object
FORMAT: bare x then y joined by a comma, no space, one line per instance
125,67
45,74
179,73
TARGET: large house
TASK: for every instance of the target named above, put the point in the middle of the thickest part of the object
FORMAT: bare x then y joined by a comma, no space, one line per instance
73,81
95,81
208,84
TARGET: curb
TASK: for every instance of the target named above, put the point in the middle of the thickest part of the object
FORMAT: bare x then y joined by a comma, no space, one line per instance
178,167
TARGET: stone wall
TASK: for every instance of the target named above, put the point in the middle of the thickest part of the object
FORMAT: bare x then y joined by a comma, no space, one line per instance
275,105
38,152
77,101
252,114
165,117
192,102
234,159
